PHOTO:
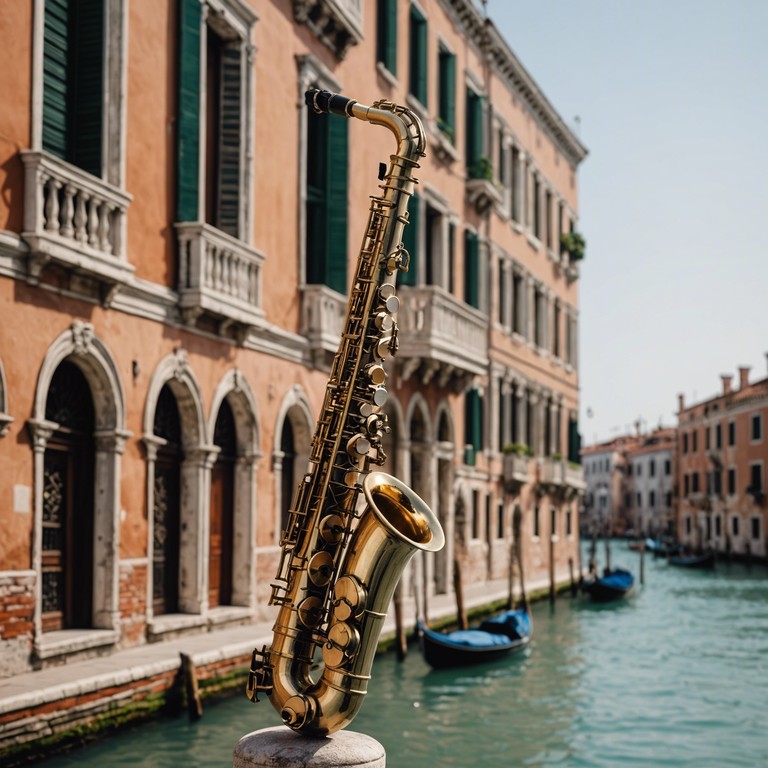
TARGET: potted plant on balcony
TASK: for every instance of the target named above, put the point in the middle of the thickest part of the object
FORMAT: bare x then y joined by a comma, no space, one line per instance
518,449
574,244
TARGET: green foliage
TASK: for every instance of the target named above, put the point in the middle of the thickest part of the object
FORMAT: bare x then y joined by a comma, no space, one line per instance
482,169
519,449
574,244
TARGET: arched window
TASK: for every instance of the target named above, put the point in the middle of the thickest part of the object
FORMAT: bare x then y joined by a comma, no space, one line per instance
68,520
288,448
222,509
166,512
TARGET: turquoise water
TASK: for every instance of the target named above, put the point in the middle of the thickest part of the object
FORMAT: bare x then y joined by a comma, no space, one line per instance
675,676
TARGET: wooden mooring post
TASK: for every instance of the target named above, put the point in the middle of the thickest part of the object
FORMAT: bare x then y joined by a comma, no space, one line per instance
194,702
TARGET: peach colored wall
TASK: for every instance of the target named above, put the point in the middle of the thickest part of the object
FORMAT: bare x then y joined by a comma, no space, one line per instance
15,89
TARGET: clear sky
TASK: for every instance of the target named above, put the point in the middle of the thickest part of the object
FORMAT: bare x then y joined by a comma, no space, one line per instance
672,103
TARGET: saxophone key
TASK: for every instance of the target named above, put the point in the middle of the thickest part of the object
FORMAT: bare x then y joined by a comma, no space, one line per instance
320,568
358,445
310,611
343,642
348,598
331,529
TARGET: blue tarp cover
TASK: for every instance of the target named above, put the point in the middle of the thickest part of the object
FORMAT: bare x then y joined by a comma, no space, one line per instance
514,624
474,638
618,579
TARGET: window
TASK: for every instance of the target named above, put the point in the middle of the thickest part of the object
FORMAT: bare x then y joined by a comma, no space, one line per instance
652,499
516,203
553,521
518,307
756,477
500,521
719,436
735,526
755,522
411,242
568,523
686,484
757,428
628,500
221,129
73,70
574,440
667,467
417,74
446,108
707,436
731,433
536,522
694,436
718,526
537,217
451,256
639,470
471,269
556,330
695,482
731,481
386,34
474,149
688,524
639,499
433,246
326,214
475,514
473,424
668,500
685,442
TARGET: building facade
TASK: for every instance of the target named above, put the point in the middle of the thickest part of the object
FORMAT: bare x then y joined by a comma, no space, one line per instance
177,233
605,498
722,455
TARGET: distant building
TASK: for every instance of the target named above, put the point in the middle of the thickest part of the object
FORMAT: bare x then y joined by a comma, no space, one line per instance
722,452
630,483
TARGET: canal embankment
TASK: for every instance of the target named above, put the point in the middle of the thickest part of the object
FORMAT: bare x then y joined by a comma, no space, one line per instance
56,707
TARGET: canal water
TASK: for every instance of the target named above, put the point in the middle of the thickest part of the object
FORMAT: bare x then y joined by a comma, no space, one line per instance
675,676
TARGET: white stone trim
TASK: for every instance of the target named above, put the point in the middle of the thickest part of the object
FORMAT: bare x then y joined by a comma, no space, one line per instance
5,417
91,355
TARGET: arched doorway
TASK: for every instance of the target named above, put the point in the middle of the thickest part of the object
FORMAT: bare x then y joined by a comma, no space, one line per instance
68,509
166,512
445,452
222,512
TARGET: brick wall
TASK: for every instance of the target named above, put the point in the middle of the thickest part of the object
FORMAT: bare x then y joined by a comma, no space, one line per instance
133,602
17,611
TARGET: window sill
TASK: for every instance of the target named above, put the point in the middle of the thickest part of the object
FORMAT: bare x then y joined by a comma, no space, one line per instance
416,105
386,74
534,242
224,614
173,622
66,641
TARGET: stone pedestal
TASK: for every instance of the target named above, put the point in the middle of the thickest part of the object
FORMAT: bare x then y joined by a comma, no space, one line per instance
280,747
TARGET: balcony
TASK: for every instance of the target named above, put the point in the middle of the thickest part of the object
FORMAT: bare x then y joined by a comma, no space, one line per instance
323,312
338,24
219,279
441,337
76,222
560,477
516,472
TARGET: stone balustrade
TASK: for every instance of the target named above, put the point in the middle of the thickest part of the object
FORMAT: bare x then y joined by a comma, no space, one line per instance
323,312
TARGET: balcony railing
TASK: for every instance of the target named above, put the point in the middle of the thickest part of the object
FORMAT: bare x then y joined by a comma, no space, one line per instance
219,276
323,311
73,219
440,330
516,472
336,23
558,473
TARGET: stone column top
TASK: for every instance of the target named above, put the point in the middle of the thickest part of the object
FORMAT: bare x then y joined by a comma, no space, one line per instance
280,747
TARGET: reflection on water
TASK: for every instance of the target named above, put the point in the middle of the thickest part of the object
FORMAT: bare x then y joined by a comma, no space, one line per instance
675,676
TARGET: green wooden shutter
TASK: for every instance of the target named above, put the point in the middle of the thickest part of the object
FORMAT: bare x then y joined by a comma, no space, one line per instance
317,126
418,54
188,119
336,233
410,242
87,102
474,130
473,425
386,34
229,133
574,442
55,77
448,92
471,269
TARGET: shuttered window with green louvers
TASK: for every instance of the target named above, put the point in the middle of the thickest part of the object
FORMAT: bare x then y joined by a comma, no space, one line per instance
471,269
574,441
410,242
188,118
73,76
473,425
228,214
418,56
474,134
446,116
326,207
386,34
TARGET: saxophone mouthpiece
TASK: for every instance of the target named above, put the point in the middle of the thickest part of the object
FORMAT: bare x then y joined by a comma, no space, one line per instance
325,102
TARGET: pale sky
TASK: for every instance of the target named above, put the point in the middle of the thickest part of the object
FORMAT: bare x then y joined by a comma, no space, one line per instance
672,101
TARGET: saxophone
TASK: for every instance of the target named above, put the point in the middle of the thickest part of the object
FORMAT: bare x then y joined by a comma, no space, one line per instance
350,531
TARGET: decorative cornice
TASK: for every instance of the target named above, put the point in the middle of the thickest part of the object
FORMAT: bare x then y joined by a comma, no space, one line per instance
490,43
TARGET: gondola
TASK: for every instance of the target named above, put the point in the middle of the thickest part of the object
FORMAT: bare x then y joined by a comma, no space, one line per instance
705,560
495,638
612,585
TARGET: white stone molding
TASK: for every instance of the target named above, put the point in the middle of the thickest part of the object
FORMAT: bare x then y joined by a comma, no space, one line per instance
5,418
83,347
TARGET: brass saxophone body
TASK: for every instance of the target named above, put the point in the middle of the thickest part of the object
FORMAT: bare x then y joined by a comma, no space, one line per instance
350,531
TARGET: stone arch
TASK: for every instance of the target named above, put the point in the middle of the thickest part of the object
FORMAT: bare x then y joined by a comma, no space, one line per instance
295,414
395,441
80,345
236,391
198,456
